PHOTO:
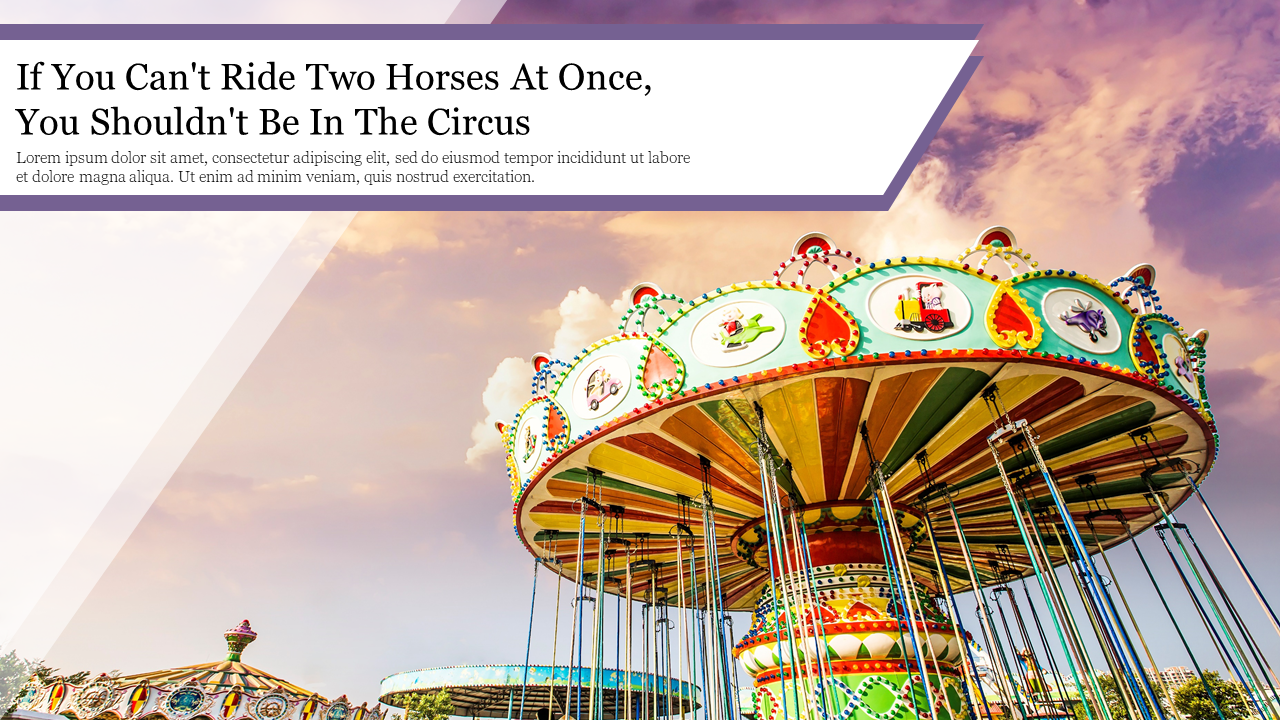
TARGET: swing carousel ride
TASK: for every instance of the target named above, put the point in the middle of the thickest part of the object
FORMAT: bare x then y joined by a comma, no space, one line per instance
841,456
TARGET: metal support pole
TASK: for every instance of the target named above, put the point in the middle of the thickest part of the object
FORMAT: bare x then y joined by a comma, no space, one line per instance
1229,640
1129,611
1094,580
1253,585
898,555
1022,530
1160,593
957,625
533,603
984,614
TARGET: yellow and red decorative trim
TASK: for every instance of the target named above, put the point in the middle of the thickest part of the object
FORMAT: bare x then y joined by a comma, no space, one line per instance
1142,347
661,371
557,427
1011,321
138,698
851,667
828,327
231,702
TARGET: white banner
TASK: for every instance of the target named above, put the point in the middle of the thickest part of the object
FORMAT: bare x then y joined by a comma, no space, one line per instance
572,118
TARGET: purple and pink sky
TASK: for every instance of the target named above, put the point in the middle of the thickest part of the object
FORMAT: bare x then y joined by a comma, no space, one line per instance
349,497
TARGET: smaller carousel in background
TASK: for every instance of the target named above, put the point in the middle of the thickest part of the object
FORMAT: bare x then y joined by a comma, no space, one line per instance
223,690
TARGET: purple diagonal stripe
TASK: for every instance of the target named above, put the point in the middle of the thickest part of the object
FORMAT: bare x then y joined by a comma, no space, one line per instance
490,32
930,130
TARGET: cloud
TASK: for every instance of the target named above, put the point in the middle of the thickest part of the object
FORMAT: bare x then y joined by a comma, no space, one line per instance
1250,394
1222,212
581,318
1074,102
1235,385
687,253
504,393
288,482
220,499
378,233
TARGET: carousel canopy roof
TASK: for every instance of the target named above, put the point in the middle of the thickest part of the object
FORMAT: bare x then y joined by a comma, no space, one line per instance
919,350
497,690
223,690
215,675
227,673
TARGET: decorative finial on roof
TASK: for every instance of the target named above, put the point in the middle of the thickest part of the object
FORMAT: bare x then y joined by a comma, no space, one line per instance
238,638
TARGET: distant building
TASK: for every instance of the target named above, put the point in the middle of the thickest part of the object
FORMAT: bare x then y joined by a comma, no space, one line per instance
1174,677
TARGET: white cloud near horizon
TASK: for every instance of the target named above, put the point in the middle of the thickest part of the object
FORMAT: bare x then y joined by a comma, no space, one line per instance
581,318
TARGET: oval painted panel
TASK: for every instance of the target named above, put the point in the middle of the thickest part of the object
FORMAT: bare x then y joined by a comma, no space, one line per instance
1178,360
737,333
601,386
1082,320
271,707
919,307
529,439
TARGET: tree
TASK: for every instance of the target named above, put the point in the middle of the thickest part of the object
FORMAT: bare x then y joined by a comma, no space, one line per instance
428,706
1116,703
45,675
14,672
1193,702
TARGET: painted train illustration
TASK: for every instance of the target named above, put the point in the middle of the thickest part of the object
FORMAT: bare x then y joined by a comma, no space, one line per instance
925,312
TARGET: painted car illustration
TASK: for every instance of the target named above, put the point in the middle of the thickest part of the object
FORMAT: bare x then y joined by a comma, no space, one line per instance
1082,315
600,386
925,311
735,334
